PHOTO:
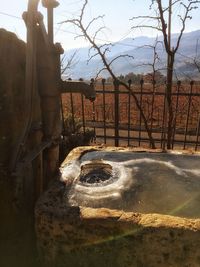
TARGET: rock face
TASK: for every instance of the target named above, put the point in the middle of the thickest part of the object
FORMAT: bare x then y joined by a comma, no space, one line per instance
102,237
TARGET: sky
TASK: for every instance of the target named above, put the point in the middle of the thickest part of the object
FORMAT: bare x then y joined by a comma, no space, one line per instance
117,19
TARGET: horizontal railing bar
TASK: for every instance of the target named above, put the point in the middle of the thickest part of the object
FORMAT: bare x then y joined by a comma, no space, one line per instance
147,93
157,140
125,127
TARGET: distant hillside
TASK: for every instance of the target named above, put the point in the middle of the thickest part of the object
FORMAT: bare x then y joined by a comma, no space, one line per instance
143,55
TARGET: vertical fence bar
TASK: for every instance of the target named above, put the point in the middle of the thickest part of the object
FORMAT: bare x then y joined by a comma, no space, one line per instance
141,97
83,113
152,106
197,134
62,115
83,110
116,88
164,123
104,110
176,111
129,110
93,116
188,114
94,120
72,112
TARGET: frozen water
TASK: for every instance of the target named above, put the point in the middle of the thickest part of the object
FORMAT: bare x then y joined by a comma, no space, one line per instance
141,182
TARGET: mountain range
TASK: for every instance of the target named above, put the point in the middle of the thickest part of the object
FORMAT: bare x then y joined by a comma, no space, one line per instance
140,51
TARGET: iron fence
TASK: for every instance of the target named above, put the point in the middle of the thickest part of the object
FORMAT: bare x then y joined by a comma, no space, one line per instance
116,119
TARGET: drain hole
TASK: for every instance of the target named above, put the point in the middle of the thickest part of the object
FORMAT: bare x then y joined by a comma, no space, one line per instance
95,172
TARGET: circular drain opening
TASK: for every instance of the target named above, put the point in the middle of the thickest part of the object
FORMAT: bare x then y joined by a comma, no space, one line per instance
96,173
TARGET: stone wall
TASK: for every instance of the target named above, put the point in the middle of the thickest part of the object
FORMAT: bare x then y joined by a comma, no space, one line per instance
16,191
12,91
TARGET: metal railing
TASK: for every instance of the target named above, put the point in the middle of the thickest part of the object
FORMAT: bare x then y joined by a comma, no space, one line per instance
117,121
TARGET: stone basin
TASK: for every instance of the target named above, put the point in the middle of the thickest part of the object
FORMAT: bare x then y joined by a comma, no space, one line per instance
122,207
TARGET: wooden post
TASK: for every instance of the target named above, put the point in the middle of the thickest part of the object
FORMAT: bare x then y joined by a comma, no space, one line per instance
30,80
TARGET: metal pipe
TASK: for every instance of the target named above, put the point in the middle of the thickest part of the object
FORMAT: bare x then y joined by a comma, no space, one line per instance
29,18
50,24
42,69
79,87
50,5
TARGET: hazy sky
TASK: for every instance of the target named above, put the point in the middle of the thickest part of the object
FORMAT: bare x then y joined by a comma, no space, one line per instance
117,18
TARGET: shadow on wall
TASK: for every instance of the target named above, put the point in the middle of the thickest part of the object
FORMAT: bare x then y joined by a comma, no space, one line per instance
16,224
12,90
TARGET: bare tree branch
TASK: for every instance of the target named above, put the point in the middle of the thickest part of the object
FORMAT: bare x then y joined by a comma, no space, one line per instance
93,20
107,65
193,61
67,64
99,72
120,56
145,17
147,26
188,9
164,27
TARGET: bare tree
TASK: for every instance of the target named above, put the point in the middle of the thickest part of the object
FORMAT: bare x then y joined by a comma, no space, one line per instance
153,64
101,51
196,59
192,62
162,23
68,63
154,67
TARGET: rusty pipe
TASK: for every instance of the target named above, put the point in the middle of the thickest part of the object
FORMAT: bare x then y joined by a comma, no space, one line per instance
50,5
79,87
30,20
